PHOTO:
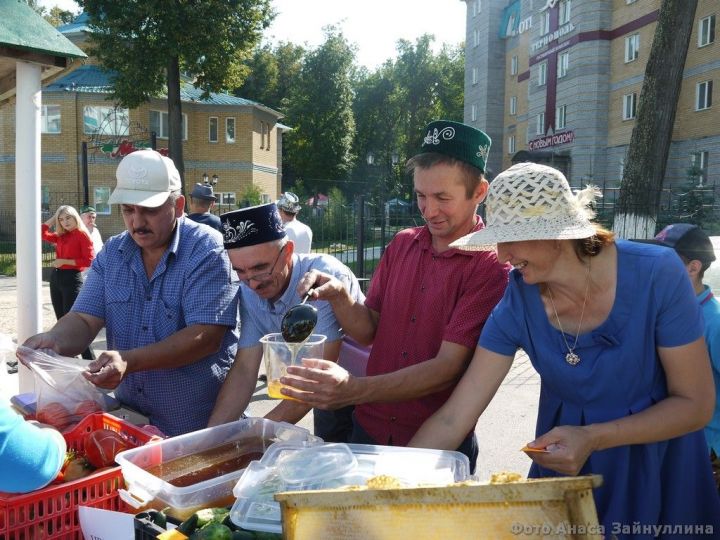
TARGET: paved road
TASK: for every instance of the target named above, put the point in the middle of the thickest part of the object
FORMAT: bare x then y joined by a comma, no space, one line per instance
507,424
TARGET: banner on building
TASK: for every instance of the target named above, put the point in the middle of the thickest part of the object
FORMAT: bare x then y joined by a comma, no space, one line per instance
551,140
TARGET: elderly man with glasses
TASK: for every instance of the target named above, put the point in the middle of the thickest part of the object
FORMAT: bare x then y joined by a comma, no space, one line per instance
269,269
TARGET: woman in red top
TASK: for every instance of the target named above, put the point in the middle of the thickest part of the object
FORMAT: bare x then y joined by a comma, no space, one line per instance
73,254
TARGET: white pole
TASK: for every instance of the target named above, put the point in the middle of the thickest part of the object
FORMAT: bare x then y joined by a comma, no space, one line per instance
27,208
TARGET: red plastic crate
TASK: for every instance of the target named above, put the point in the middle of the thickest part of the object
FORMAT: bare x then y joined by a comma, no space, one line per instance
51,512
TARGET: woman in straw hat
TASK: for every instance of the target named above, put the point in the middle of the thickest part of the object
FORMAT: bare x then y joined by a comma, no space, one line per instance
615,332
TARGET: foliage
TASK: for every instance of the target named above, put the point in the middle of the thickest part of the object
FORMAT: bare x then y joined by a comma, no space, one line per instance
148,42
320,113
272,72
394,103
251,195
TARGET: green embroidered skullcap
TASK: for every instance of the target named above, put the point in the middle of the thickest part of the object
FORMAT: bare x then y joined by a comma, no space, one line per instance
462,142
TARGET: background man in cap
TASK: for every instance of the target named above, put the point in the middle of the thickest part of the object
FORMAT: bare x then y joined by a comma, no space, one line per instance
297,231
426,305
88,215
269,269
164,291
202,199
694,247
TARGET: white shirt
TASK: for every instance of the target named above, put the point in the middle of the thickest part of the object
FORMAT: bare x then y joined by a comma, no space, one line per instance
96,240
300,234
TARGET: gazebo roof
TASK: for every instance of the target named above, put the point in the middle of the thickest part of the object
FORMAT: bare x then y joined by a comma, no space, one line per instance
26,36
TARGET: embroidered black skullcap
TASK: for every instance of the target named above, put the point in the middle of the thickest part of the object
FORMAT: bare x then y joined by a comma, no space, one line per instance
460,141
251,226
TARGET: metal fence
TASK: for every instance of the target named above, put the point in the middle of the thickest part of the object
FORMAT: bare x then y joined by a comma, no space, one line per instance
357,232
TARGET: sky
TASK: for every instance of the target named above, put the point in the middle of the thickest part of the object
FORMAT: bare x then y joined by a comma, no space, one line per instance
374,26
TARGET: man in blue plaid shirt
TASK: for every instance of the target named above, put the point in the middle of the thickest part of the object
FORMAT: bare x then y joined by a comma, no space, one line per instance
167,296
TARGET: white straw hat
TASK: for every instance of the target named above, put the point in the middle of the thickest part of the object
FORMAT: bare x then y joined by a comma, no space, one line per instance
532,202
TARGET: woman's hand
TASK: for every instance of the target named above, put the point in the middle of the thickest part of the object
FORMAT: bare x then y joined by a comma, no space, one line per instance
568,448
50,222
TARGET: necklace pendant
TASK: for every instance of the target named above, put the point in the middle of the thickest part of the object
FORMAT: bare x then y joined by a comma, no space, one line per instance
572,358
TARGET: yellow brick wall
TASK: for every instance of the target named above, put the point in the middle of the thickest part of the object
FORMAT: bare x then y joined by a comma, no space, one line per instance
61,170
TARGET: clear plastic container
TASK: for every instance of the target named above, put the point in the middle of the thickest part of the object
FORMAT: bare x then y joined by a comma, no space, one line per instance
199,469
256,509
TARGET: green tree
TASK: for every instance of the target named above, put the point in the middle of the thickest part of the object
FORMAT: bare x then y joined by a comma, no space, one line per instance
58,16
320,112
395,102
147,43
250,196
271,74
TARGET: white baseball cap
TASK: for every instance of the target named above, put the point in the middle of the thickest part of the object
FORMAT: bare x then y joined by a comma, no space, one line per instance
145,178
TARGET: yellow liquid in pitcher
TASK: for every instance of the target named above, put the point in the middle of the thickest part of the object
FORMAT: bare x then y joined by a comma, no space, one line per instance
274,390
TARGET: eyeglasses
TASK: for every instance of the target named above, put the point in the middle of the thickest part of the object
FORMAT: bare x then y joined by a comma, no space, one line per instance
264,276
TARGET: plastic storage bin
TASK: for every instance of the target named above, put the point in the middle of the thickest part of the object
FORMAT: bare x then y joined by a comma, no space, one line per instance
199,469
256,508
51,513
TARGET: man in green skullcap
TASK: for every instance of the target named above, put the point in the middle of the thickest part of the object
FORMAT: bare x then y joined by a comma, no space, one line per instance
426,305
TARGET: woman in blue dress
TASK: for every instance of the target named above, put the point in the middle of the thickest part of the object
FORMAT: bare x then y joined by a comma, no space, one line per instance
615,332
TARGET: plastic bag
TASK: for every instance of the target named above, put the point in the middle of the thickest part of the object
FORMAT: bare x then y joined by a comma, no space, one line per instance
64,396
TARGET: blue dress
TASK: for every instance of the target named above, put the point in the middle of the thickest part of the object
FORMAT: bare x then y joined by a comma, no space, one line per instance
666,483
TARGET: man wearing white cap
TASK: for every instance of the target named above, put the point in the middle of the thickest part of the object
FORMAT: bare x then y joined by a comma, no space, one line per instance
166,294
297,231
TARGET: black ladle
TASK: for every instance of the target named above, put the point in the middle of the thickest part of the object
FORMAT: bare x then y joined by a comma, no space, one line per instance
299,322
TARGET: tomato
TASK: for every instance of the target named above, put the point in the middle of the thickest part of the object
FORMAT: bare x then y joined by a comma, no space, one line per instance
84,408
55,414
77,468
102,446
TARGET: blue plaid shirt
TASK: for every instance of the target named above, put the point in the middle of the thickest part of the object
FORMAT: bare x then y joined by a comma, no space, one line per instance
193,284
259,316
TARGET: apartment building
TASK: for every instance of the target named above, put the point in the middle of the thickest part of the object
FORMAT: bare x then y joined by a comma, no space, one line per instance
558,82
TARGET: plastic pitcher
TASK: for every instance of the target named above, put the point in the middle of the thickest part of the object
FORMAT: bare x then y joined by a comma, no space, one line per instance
279,354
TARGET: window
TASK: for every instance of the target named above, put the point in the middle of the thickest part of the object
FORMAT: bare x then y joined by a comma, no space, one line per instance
230,130
511,144
630,2
513,105
545,22
560,117
514,65
105,121
476,38
213,129
476,8
564,12
101,195
632,47
622,168
542,74
703,95
540,127
473,112
474,75
50,119
699,164
265,198
706,33
262,135
629,106
269,129
159,124
226,197
563,64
